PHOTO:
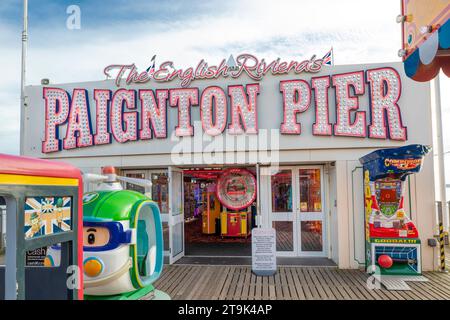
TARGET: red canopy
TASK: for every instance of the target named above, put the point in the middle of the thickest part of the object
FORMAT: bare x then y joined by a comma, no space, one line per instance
10,164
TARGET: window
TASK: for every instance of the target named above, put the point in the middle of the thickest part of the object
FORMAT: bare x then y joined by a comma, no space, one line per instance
310,190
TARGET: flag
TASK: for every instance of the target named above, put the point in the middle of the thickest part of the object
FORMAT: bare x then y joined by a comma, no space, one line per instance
152,65
328,58
47,215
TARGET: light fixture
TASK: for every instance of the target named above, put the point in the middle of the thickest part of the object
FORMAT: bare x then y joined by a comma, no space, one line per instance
402,52
401,18
45,82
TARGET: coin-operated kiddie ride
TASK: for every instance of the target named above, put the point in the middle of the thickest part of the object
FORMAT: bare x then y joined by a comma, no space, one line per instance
43,229
392,239
123,242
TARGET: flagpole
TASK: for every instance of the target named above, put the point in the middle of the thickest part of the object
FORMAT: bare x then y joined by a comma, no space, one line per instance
23,73
332,56
440,152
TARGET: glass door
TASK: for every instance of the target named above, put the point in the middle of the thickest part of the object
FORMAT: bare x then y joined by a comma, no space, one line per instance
176,214
282,215
297,210
310,211
160,194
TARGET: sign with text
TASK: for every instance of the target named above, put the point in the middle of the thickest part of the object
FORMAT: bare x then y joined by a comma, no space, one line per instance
352,106
264,260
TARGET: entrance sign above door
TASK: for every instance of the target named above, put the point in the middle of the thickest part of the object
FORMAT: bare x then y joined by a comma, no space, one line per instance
117,113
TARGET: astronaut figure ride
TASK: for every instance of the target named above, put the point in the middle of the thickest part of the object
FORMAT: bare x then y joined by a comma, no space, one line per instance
392,239
123,242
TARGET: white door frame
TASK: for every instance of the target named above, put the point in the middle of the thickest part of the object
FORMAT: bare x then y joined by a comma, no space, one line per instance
175,216
137,171
283,216
313,216
147,175
296,216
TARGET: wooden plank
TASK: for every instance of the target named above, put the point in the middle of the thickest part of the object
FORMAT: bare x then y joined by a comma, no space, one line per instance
265,288
230,291
247,286
272,291
290,282
322,289
291,293
342,286
225,285
220,284
328,284
258,288
279,293
382,293
309,284
199,287
188,282
174,282
356,286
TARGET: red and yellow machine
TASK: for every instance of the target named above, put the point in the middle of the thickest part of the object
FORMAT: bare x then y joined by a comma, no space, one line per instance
235,224
236,190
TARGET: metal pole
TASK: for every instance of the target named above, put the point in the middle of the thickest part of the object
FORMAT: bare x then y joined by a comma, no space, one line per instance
440,153
23,73
258,197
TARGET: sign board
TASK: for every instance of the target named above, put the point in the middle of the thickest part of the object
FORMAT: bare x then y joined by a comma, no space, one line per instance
47,215
338,107
36,257
264,261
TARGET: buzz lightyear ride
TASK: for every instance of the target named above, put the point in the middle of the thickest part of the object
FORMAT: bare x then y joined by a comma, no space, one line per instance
123,242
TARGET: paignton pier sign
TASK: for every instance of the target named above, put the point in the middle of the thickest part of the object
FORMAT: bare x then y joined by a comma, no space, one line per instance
365,103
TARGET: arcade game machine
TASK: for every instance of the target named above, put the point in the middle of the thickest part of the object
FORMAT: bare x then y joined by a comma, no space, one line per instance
44,229
392,240
211,210
123,241
236,190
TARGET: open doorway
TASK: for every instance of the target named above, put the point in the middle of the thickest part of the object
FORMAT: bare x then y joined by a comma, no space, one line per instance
195,222
211,229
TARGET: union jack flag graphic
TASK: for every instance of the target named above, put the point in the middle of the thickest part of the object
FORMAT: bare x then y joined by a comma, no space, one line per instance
328,58
47,215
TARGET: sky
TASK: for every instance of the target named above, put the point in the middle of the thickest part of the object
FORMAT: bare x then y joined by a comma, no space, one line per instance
120,31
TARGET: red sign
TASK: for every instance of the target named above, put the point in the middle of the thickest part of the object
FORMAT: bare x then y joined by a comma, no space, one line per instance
236,188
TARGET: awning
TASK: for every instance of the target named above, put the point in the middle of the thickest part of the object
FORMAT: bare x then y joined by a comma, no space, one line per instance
426,39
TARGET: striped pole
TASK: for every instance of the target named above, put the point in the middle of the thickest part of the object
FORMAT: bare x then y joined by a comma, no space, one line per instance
441,247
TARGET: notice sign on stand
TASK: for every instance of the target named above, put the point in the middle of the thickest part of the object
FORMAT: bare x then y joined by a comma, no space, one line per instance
264,261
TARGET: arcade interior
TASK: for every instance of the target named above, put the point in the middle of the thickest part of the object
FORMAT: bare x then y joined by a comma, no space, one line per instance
212,229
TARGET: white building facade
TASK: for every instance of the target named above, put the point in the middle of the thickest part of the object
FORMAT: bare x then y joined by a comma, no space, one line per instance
286,126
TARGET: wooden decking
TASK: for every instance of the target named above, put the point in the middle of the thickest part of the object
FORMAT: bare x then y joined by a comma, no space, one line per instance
447,257
304,283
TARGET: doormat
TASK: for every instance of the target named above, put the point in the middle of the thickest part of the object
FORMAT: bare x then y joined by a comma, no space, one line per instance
398,283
